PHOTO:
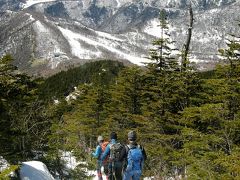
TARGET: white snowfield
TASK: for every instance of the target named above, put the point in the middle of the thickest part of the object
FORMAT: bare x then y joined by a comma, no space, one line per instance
32,2
34,170
74,38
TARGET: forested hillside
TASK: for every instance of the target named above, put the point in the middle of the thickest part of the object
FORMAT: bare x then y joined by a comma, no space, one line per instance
188,121
63,83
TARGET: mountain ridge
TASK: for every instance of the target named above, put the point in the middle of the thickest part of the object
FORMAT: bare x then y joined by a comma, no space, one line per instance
55,34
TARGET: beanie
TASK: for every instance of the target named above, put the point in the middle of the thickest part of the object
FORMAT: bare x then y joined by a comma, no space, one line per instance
100,138
132,136
113,135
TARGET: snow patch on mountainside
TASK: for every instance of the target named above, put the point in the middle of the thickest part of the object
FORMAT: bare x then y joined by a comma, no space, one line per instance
118,4
102,42
77,49
46,38
153,28
41,28
57,57
108,36
32,2
30,17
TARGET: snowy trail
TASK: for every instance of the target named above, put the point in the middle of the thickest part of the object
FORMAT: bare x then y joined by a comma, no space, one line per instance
95,175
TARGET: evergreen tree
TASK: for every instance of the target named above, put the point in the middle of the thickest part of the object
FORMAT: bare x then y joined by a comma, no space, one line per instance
23,123
125,107
162,95
63,83
77,123
210,133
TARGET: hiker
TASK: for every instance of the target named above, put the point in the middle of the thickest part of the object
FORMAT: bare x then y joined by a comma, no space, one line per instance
113,150
97,154
133,156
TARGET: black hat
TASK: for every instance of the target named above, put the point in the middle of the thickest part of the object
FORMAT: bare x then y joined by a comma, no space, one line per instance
113,135
132,136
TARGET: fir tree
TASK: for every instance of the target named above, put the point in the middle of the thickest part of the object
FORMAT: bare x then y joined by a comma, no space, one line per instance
23,122
210,129
125,107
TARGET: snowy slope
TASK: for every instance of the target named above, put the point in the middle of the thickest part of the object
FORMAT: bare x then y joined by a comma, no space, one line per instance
106,41
32,2
34,170
56,34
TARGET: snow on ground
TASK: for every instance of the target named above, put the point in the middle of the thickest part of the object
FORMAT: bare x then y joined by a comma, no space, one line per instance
71,163
34,170
3,164
94,174
70,160
56,101
82,53
32,2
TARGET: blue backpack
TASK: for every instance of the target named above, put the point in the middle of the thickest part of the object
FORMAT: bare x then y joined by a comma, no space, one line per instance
134,159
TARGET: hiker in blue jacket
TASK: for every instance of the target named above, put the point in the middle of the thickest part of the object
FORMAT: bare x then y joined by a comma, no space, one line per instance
97,154
134,156
115,166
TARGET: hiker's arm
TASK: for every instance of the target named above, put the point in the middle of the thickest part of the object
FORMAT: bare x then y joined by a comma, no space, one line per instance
105,153
97,153
123,154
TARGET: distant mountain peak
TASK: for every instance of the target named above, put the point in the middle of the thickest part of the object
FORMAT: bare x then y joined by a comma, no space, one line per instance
46,35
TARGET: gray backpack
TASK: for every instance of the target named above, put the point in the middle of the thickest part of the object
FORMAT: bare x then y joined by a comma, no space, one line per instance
115,151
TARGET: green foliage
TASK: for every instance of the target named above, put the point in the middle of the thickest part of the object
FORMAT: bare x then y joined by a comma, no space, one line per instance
4,175
125,105
210,133
22,118
77,123
161,55
61,84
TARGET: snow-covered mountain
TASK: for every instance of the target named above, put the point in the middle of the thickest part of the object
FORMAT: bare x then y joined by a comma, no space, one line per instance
47,35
